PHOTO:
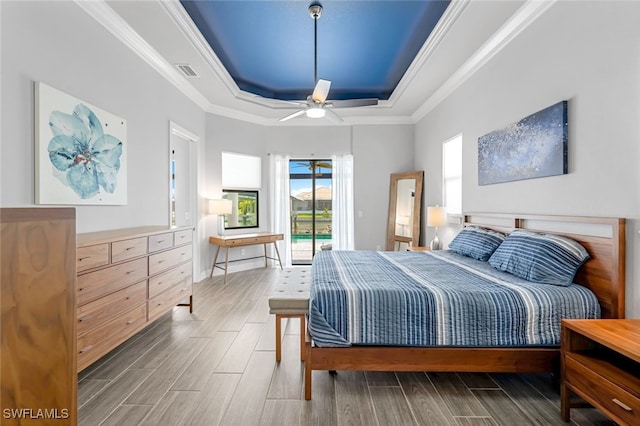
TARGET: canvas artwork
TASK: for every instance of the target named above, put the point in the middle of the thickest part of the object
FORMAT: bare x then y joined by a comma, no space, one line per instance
534,147
80,151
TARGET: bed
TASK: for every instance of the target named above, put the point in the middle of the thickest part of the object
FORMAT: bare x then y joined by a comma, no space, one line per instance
431,335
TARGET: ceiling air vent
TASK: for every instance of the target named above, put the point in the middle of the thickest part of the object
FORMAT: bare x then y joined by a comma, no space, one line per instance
187,70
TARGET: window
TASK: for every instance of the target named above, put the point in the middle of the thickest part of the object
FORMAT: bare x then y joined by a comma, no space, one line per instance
452,175
242,175
244,209
311,208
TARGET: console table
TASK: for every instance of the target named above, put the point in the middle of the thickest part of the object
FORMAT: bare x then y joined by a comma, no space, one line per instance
242,240
601,363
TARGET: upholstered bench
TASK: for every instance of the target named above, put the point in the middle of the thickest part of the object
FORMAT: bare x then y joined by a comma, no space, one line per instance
290,299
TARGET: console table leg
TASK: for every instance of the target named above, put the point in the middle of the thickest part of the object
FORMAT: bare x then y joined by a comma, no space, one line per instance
215,259
226,264
265,255
277,253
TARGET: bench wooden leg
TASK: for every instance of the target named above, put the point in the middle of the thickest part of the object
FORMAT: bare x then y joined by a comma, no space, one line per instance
278,338
303,330
307,372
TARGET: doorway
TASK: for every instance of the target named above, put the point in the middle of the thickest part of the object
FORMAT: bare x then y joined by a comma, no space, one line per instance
311,208
183,169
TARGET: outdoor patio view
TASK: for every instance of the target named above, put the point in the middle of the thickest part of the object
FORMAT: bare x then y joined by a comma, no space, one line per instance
311,208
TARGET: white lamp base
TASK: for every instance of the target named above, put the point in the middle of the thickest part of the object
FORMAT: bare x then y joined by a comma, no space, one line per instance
435,243
221,225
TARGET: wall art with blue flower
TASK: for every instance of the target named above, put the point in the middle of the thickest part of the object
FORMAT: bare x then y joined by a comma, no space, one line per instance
80,153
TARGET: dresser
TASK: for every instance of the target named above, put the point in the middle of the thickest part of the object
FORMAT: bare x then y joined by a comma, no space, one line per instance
601,363
128,278
38,345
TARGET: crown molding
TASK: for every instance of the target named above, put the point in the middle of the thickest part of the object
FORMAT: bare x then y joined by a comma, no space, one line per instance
184,22
448,19
114,23
520,20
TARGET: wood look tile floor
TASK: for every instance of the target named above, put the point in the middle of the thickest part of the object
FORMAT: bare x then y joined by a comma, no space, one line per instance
217,367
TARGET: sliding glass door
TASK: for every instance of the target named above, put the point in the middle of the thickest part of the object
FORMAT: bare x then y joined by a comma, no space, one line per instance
311,208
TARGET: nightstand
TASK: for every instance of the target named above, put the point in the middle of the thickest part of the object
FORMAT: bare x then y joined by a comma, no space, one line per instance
418,249
601,364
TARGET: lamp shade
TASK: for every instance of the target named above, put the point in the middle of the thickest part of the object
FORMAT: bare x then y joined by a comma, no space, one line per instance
220,207
436,216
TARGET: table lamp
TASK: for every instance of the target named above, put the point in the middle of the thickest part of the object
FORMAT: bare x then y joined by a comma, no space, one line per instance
436,216
220,208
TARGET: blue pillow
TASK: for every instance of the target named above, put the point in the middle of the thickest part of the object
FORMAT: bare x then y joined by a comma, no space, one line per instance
540,258
478,243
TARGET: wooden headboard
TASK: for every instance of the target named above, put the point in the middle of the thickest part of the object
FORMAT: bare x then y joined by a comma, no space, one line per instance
604,239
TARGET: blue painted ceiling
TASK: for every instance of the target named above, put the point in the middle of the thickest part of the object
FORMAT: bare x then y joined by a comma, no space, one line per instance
364,47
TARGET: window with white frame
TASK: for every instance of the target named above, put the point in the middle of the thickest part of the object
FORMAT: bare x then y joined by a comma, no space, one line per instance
241,182
452,175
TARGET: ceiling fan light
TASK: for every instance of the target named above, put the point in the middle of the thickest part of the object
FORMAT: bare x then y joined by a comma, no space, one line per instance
315,112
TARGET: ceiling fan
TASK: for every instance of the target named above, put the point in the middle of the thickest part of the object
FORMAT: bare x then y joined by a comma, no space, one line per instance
317,105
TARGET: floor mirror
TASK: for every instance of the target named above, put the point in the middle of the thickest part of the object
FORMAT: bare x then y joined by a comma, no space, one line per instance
405,201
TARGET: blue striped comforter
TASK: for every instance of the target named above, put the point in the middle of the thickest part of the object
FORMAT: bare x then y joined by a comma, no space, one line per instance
434,299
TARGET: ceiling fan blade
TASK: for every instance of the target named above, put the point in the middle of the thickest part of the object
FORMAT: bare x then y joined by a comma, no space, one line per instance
321,91
294,115
333,116
348,103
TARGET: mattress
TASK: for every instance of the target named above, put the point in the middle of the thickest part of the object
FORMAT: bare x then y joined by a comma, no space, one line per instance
434,299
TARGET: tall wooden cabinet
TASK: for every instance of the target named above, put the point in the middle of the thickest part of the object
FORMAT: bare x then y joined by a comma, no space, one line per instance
38,330
127,278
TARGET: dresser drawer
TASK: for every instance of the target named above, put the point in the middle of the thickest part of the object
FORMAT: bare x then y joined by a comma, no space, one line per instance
105,281
163,302
96,343
128,249
602,392
92,256
160,241
106,308
167,259
182,237
168,279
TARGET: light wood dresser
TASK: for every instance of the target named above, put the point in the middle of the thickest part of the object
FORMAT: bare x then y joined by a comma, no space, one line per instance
601,363
37,355
127,278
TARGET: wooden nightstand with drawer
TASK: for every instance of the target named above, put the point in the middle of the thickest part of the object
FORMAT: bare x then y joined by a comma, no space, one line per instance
601,364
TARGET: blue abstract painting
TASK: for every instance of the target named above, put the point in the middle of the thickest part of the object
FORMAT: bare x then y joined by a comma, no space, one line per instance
534,147
81,157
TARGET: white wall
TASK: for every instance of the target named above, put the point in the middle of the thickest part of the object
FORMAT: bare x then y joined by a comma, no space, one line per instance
59,44
589,54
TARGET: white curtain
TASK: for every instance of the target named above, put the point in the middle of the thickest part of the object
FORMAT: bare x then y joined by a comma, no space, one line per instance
280,203
342,227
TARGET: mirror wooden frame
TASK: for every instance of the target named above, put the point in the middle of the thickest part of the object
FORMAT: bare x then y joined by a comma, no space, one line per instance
392,238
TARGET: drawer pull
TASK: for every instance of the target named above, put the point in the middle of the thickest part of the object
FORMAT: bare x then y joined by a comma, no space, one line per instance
622,404
86,348
131,321
129,248
160,261
131,272
160,241
80,259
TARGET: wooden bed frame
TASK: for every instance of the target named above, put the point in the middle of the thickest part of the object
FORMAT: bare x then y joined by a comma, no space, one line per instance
603,273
